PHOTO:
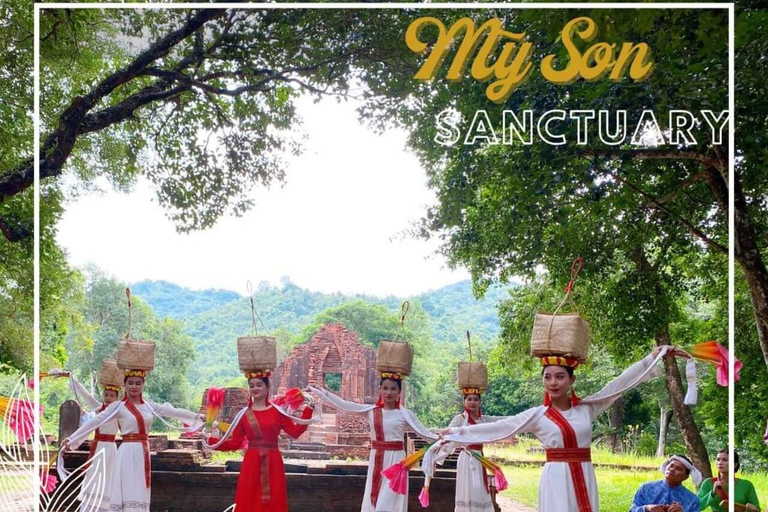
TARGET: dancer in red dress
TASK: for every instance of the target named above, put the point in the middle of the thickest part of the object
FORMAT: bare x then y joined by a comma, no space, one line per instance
261,485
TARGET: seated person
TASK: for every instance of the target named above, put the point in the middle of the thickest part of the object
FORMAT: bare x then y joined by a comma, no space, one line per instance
713,492
669,495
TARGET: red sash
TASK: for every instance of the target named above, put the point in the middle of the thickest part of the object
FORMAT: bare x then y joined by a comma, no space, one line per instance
479,448
379,446
577,472
140,437
262,449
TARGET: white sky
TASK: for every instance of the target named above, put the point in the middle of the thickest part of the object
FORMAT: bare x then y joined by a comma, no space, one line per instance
334,226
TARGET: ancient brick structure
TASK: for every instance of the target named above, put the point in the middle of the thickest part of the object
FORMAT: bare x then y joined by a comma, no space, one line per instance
332,350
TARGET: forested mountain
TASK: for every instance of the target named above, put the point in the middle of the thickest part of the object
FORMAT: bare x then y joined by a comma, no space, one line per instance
215,318
171,300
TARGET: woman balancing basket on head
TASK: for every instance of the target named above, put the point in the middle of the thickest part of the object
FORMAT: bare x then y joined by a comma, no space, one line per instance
94,497
388,421
563,423
129,485
261,485
474,481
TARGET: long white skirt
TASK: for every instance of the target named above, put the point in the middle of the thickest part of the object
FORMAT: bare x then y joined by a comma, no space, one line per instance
129,492
556,491
389,500
471,495
89,492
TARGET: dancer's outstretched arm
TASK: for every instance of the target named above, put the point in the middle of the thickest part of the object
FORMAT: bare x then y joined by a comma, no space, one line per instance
338,402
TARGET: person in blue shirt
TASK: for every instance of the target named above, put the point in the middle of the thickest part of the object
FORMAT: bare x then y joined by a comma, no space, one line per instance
669,495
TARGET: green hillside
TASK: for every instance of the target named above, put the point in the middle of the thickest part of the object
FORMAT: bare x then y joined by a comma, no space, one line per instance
215,318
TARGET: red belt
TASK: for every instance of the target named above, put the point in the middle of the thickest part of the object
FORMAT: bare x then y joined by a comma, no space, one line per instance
389,446
262,446
134,438
569,455
477,447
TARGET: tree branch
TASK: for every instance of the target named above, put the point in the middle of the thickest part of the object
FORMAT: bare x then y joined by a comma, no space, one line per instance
653,203
655,154
13,233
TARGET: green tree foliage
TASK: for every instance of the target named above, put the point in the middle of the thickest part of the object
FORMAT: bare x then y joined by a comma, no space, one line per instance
16,216
640,217
105,321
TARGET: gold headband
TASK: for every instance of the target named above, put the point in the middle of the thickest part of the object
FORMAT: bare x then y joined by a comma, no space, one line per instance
470,391
136,373
109,387
559,361
258,374
390,375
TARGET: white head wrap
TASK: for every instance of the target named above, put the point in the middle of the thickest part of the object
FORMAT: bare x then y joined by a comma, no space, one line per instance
695,473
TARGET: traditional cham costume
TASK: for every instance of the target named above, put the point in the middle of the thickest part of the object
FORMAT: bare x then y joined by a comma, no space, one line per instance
261,484
129,485
387,427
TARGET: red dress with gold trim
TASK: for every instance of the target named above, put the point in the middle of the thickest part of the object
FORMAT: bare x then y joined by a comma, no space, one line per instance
261,485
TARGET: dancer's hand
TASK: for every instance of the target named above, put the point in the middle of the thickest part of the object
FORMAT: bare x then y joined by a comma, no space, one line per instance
751,508
443,432
655,508
65,445
717,487
675,507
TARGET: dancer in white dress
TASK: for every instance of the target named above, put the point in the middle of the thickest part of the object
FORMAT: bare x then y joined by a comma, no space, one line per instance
129,486
564,426
472,480
388,422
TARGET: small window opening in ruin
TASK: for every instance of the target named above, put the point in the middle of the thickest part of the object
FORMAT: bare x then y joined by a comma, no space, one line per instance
333,381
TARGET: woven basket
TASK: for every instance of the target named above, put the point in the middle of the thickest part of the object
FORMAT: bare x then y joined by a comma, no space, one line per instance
135,355
560,335
257,353
472,375
394,357
110,374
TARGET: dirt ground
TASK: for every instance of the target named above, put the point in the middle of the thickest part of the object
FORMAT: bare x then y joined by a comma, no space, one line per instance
508,505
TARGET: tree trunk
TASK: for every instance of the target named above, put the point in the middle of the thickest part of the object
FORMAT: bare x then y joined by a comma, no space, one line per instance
665,418
697,452
615,422
747,253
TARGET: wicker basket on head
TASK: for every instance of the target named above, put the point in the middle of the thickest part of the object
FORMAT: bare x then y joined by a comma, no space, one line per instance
394,357
110,374
135,355
472,375
257,353
560,335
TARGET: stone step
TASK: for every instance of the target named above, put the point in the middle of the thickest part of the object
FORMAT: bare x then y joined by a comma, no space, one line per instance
328,438
323,428
306,455
309,447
